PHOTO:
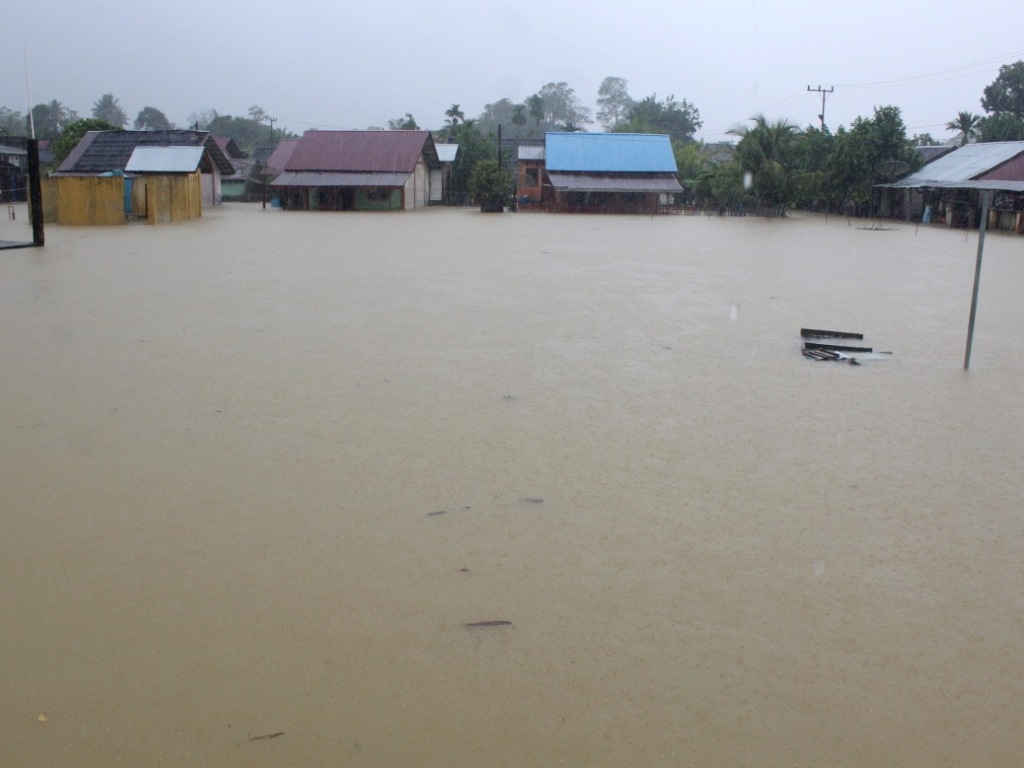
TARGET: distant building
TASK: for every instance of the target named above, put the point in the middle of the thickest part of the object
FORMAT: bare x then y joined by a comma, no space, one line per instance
360,171
599,173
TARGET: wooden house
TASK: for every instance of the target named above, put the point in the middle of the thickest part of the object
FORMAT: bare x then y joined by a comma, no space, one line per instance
359,171
598,172
95,185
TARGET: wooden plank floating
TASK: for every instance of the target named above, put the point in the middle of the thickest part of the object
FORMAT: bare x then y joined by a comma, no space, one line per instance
819,334
835,347
492,623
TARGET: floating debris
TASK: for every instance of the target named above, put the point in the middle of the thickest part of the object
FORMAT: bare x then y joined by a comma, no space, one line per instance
533,501
829,350
266,736
436,512
814,333
492,623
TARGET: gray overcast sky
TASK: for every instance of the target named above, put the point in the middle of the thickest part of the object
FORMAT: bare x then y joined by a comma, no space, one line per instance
340,64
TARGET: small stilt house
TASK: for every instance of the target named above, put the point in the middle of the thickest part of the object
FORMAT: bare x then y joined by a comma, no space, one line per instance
598,173
360,171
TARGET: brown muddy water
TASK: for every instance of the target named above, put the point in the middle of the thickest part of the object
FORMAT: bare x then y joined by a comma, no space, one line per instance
258,473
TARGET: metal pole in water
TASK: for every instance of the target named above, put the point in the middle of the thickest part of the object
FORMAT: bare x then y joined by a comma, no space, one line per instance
986,199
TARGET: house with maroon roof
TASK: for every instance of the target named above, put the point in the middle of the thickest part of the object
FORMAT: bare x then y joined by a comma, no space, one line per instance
360,171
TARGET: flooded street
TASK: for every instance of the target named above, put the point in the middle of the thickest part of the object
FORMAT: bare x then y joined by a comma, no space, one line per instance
258,472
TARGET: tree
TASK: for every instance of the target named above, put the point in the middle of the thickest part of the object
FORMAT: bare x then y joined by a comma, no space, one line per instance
1001,127
1005,95
248,134
407,123
490,186
50,119
765,152
967,125
519,115
679,119
152,119
454,115
73,134
924,140
108,109
613,102
257,113
12,122
535,105
560,107
201,120
474,147
872,151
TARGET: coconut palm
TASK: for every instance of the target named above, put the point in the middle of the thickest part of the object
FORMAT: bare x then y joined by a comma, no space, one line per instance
764,152
454,115
966,124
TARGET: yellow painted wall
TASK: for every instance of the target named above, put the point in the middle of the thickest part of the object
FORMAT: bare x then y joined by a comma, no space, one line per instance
173,197
88,200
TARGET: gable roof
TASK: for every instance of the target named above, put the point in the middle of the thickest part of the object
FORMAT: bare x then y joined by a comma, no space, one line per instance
362,151
105,151
609,153
966,163
165,160
278,159
230,148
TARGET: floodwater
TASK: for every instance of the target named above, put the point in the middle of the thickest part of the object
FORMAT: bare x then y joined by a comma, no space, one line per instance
259,471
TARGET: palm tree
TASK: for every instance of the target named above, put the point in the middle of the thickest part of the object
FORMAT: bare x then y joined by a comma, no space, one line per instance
454,115
968,125
764,152
108,108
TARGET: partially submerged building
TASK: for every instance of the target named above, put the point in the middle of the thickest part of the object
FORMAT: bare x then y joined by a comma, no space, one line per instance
599,173
360,171
946,190
112,177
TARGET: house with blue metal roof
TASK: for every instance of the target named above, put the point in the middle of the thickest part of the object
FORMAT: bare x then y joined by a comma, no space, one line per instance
599,172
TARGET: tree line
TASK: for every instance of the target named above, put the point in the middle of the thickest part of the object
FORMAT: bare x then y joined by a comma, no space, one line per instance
765,163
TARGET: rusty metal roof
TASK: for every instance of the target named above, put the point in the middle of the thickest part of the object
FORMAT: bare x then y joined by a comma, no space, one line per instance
165,160
278,159
620,182
609,152
339,179
362,151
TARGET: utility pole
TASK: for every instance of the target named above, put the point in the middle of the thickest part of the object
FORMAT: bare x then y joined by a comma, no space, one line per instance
271,120
824,93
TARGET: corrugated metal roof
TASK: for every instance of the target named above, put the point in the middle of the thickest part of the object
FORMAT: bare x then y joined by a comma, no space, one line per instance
446,152
963,164
586,182
609,152
165,160
531,153
278,159
362,151
339,179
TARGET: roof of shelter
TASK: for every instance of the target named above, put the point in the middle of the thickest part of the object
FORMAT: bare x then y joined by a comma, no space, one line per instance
362,151
609,153
964,164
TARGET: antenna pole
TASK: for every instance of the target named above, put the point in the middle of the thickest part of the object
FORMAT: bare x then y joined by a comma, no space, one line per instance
28,94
